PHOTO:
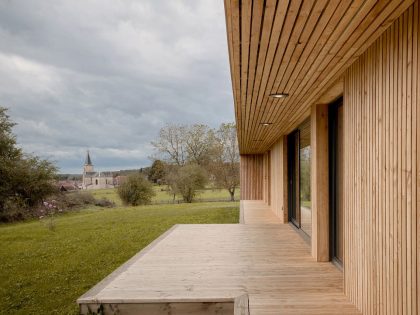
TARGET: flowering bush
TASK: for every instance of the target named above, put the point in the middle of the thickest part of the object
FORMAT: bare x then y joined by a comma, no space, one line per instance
48,211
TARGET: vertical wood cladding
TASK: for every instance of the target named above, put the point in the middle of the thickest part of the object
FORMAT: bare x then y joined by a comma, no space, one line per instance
252,177
267,178
382,180
319,183
278,179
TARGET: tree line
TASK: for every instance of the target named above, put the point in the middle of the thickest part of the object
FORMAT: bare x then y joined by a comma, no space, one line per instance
187,158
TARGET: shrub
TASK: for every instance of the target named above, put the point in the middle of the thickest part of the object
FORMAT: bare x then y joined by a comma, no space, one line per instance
137,190
187,180
14,209
76,199
72,200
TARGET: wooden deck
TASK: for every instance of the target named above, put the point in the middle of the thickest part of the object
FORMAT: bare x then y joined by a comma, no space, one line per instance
265,261
257,212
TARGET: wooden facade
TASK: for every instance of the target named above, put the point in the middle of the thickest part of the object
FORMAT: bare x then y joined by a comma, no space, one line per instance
319,183
366,52
382,141
297,47
252,173
279,179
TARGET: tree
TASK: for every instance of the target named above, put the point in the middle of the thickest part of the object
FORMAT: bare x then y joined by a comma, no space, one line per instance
157,172
171,144
34,179
215,150
9,156
136,190
25,180
187,180
8,149
171,176
200,141
183,144
225,166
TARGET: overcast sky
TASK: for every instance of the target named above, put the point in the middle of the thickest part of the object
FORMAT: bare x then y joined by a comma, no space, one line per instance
106,75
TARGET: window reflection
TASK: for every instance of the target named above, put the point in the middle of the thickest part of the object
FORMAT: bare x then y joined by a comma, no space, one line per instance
305,176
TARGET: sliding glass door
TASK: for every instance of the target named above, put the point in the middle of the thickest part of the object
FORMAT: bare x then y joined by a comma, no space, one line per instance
299,172
336,160
293,175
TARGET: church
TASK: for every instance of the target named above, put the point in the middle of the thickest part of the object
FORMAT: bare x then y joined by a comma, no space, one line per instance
95,180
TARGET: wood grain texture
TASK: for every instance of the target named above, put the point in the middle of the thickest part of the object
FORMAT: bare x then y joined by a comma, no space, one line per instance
267,261
160,308
279,179
252,177
267,178
258,212
299,47
381,109
319,183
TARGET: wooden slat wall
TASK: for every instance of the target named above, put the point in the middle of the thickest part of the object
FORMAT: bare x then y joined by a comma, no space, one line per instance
320,182
299,47
278,187
267,178
251,177
382,164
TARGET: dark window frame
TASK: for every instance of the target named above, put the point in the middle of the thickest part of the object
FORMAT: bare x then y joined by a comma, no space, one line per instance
332,156
293,165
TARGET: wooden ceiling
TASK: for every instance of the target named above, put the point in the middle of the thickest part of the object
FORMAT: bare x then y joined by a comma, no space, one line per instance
299,47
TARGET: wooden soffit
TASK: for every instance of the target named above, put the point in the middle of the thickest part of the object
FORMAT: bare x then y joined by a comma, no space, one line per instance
296,47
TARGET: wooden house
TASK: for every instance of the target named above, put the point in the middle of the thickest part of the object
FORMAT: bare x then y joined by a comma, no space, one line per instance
326,97
327,105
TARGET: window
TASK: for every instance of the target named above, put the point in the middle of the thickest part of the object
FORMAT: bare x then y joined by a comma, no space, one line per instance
299,172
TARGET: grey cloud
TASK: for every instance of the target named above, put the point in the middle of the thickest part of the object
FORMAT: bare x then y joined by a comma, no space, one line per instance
106,74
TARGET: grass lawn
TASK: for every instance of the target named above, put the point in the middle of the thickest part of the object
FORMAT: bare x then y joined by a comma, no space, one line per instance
163,197
44,271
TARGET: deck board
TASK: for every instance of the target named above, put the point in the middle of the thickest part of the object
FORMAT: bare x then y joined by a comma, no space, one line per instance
268,261
257,212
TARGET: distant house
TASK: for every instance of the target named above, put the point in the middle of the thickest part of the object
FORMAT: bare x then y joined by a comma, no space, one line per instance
95,180
67,185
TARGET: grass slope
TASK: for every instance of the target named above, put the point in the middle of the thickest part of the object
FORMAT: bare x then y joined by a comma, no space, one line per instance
44,272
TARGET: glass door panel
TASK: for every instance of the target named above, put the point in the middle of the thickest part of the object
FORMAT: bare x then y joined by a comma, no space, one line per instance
305,176
293,174
336,181
299,172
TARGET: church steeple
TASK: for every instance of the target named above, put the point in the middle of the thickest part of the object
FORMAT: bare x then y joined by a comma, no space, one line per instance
88,167
88,161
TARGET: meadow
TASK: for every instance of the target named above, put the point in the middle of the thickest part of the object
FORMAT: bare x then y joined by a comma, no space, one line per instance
44,271
162,195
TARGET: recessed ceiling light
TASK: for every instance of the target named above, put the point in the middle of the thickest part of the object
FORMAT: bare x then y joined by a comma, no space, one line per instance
266,123
279,95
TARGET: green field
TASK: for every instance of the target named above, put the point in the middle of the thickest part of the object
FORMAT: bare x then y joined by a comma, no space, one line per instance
162,196
45,271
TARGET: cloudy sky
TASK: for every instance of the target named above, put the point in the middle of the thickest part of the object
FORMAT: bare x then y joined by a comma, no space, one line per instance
106,75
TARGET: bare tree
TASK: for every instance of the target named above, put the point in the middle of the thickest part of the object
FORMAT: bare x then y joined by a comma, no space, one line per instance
182,144
214,150
225,166
172,144
200,143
